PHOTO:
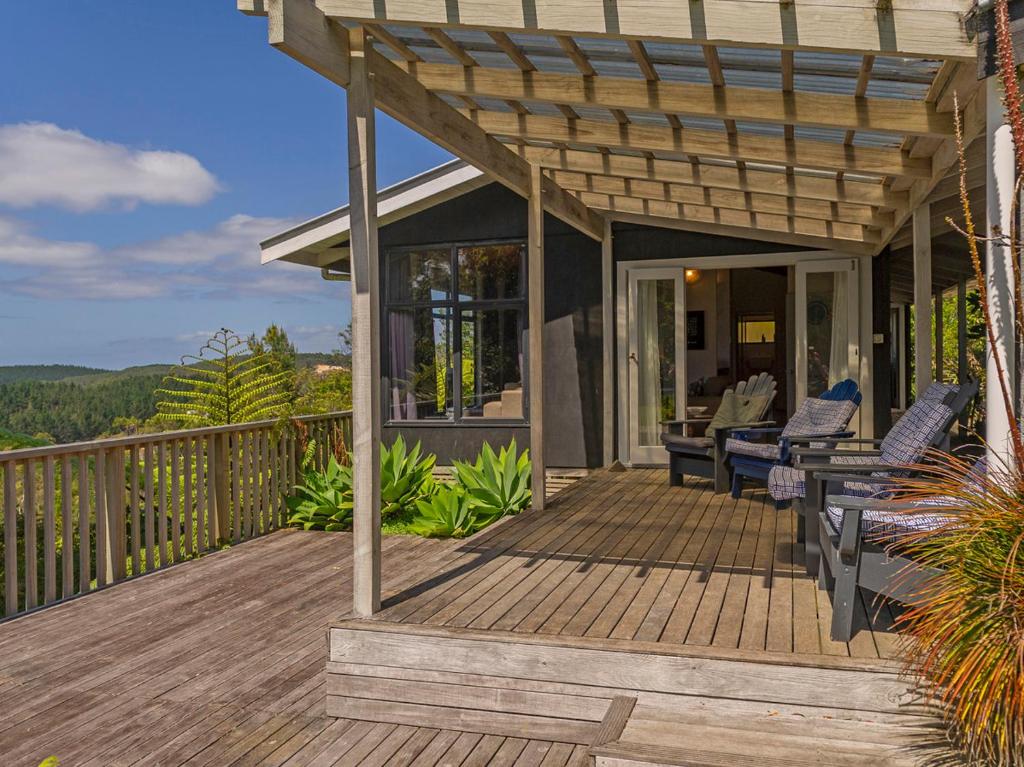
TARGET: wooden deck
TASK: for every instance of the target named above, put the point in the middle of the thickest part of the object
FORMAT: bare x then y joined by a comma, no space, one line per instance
220,661
621,555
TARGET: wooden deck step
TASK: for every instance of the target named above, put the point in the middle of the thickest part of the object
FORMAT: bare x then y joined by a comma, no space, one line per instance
630,702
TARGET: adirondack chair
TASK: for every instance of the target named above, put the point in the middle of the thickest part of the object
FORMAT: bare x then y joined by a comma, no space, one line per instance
925,425
704,455
856,537
822,419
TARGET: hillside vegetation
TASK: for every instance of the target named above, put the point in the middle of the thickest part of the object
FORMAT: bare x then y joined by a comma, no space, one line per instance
14,373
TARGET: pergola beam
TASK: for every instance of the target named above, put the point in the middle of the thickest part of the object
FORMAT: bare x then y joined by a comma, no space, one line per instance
919,28
723,198
855,234
297,28
720,176
775,150
799,108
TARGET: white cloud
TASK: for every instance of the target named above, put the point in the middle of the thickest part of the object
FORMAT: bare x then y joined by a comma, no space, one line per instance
219,262
43,164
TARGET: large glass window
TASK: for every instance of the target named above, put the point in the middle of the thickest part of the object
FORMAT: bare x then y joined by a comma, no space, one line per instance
455,332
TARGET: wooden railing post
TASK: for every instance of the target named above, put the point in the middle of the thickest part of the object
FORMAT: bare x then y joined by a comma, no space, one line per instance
219,469
117,550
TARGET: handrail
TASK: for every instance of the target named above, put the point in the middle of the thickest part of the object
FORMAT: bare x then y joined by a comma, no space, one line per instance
142,439
86,515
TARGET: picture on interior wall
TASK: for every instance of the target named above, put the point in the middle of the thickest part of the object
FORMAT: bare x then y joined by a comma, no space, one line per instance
695,331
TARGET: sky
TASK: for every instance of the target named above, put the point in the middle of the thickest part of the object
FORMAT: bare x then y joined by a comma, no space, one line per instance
145,149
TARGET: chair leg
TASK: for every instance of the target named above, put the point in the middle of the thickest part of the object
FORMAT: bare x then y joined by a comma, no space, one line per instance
844,599
812,540
825,581
737,484
675,471
801,525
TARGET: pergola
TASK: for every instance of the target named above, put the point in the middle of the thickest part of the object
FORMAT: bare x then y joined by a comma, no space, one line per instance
814,123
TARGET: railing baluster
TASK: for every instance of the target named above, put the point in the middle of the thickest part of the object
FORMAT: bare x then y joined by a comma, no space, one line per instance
189,505
264,480
246,439
161,508
99,470
67,527
200,494
147,467
11,537
133,483
116,514
176,500
49,531
28,513
84,527
236,498
212,520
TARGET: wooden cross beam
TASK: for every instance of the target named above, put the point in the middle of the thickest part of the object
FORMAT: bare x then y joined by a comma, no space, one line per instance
800,108
297,28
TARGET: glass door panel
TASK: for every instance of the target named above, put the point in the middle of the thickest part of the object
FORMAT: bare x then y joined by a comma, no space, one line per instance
656,360
827,325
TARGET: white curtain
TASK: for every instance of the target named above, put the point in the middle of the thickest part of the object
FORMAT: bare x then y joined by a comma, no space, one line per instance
648,362
839,354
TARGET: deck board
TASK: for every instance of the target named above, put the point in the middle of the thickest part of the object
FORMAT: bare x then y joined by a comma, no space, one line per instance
150,672
623,555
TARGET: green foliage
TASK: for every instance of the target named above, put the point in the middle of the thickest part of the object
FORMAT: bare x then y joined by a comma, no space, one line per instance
222,386
14,373
324,500
405,478
450,513
276,347
72,412
10,440
323,392
498,483
50,761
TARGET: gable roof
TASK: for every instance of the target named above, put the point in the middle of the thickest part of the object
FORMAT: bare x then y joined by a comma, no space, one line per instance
323,241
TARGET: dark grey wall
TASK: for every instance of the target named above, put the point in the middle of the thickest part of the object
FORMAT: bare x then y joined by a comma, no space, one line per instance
881,302
572,333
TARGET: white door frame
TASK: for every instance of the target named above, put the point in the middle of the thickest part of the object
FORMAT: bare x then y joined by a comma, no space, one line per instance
622,324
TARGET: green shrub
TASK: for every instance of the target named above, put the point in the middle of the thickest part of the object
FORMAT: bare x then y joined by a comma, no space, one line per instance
499,483
405,478
324,500
450,513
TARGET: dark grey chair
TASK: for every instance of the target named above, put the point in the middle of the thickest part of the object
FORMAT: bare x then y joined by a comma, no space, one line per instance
704,455
859,541
926,425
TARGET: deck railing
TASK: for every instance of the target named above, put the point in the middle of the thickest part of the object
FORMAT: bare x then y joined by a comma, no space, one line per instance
82,516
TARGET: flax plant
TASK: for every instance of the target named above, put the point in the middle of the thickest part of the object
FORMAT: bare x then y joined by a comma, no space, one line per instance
965,628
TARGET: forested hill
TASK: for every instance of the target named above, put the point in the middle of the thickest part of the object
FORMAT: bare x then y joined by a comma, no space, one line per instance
66,411
13,373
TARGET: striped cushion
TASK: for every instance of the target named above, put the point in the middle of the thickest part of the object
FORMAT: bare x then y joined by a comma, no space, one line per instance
914,432
786,483
820,416
766,450
877,523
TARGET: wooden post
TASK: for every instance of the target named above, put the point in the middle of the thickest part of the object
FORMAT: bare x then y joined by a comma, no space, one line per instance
117,550
608,342
365,333
535,227
922,298
998,272
221,476
961,341
939,367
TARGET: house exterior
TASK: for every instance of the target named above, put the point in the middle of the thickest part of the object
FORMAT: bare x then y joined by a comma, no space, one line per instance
634,163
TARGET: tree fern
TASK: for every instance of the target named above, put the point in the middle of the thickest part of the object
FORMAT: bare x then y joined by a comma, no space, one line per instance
224,384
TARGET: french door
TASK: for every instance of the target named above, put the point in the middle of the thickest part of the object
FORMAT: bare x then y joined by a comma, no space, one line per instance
827,325
656,359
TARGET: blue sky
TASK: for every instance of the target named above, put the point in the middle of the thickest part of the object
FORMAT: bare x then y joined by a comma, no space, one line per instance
145,148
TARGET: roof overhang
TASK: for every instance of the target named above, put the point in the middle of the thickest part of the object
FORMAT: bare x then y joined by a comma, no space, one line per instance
322,242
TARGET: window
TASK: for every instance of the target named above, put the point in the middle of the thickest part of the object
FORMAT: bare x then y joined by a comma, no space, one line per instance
455,325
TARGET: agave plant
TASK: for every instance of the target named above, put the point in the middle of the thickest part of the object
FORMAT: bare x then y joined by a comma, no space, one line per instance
498,483
324,500
405,478
450,513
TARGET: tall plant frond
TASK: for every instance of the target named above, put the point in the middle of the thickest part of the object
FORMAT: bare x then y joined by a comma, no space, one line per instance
223,384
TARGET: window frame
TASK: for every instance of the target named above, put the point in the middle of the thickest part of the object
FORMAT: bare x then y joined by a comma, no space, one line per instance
454,306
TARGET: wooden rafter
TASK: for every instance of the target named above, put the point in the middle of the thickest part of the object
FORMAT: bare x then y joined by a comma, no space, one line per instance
903,27
450,46
772,150
298,29
818,110
756,220
714,176
513,51
804,207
